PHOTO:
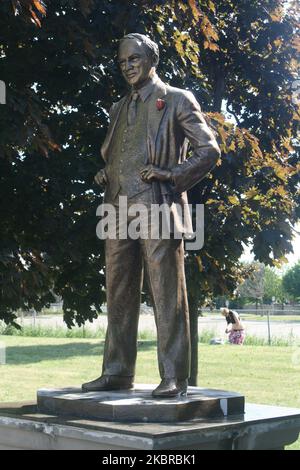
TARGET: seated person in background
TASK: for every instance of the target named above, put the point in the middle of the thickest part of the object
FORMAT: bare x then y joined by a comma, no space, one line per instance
236,332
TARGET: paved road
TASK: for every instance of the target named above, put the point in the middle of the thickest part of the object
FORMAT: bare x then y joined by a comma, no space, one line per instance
279,329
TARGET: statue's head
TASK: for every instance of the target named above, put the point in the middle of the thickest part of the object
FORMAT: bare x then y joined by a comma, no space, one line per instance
138,58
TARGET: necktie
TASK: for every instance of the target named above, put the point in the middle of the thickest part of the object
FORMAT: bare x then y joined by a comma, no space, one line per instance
132,108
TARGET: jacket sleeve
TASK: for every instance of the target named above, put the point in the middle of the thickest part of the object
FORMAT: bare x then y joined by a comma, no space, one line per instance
206,151
112,110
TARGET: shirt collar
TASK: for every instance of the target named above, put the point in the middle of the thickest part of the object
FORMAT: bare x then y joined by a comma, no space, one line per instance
146,90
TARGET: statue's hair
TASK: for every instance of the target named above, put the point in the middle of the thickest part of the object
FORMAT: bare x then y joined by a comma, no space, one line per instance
151,46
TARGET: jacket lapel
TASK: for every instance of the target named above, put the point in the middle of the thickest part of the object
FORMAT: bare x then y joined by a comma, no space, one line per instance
155,117
111,128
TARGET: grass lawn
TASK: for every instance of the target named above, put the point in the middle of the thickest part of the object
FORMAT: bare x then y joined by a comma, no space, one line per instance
264,374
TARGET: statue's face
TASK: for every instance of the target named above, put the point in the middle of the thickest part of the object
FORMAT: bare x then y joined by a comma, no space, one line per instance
136,66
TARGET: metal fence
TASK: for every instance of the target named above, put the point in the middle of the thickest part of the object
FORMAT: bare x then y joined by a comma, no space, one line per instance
262,310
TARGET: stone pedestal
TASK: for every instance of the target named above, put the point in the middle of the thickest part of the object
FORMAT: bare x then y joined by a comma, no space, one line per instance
224,425
138,405
260,427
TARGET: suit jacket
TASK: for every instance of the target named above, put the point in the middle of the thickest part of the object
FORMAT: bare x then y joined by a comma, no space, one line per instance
169,132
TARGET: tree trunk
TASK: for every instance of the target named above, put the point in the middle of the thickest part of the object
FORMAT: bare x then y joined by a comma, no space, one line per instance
194,343
219,90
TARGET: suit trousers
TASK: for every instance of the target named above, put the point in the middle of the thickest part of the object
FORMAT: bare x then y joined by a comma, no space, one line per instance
163,261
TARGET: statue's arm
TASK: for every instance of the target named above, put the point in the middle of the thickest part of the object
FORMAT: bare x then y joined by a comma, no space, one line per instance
101,176
206,151
112,110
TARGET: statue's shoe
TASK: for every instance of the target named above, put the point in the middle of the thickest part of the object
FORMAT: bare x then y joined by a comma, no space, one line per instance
170,388
108,382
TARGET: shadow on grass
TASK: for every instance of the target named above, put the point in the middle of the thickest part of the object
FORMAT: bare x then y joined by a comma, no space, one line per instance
16,355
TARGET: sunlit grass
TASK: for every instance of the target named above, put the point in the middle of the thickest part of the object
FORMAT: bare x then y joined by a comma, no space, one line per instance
264,374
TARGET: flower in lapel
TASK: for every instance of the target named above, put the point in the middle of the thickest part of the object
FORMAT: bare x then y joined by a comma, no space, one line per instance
160,104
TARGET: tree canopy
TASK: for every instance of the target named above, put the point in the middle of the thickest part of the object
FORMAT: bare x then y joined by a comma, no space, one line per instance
253,287
273,288
263,285
291,281
57,59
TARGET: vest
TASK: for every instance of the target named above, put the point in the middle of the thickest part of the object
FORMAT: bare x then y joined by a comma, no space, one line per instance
128,155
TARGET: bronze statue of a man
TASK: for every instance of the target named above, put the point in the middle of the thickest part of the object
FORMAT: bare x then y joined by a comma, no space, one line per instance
145,153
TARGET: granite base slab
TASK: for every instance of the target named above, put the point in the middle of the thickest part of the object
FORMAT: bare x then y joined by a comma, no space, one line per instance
138,405
262,427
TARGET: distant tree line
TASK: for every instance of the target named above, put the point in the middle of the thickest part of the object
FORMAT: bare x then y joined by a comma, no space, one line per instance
265,285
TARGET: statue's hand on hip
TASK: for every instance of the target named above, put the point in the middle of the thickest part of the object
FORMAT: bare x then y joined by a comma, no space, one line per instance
151,172
101,178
